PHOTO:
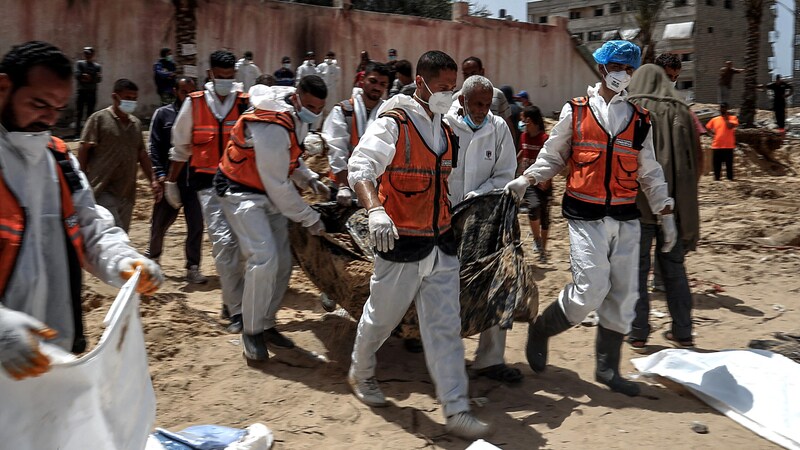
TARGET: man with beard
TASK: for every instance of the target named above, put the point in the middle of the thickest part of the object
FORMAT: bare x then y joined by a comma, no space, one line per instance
50,225
347,122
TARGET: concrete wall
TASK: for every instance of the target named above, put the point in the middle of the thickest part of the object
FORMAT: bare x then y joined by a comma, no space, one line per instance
128,35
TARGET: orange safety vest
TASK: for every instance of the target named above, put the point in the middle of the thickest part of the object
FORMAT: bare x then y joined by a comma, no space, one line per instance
348,110
603,169
12,215
413,189
209,135
239,160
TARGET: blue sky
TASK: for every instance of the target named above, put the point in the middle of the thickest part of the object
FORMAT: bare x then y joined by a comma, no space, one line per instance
784,26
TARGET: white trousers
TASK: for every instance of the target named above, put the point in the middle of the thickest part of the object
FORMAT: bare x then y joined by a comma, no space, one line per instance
263,237
491,348
225,250
433,284
604,255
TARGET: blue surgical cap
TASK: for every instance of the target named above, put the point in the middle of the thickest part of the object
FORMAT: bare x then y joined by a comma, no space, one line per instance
622,52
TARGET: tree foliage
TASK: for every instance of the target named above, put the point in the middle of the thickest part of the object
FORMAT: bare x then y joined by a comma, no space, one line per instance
434,9
754,11
646,14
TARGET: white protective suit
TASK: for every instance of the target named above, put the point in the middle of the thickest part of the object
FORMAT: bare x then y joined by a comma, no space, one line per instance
486,160
307,68
259,221
246,73
39,284
431,282
337,132
330,73
224,249
604,254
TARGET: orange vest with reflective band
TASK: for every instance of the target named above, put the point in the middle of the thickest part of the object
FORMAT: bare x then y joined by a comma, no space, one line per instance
12,217
413,189
239,160
603,169
348,110
209,135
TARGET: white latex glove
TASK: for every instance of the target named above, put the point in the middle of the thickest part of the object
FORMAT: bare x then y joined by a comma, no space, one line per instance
151,277
670,232
316,228
381,229
172,194
319,188
19,349
344,196
517,186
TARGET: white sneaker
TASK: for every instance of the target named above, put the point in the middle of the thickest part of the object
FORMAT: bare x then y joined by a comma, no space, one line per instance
467,426
367,391
194,276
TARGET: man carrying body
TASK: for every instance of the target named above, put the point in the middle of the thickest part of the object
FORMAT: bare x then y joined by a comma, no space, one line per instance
606,144
164,214
201,131
111,146
347,122
399,172
89,74
256,182
51,225
486,161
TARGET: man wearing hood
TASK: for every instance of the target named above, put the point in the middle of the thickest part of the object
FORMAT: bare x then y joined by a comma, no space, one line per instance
51,225
348,121
486,161
677,149
606,144
201,131
399,171
246,71
256,182
308,67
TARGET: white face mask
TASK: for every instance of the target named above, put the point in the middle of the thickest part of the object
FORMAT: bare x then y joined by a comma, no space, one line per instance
328,61
617,81
223,87
287,65
26,140
439,102
127,106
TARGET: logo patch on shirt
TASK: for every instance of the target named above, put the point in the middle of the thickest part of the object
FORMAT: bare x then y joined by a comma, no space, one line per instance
624,143
71,221
488,155
447,163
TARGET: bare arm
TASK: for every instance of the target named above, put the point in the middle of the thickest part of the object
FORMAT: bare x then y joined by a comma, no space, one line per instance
83,154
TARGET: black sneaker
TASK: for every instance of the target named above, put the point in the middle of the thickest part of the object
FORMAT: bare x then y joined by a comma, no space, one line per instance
272,336
236,324
254,347
225,314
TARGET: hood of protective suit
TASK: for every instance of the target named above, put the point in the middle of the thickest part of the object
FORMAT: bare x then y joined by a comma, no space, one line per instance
456,120
402,101
676,145
271,98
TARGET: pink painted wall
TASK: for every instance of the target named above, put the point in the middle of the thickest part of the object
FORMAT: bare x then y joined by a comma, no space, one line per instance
128,35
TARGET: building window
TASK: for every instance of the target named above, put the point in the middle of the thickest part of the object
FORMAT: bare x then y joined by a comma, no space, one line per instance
728,4
615,8
595,36
797,65
574,15
711,2
796,41
711,31
679,3
686,57
598,12
688,84
542,19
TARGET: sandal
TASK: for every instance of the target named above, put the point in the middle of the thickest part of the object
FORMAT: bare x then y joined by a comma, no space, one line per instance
686,343
502,373
636,344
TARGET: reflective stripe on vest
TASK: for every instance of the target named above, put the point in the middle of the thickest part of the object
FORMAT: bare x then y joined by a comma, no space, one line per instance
209,135
239,160
603,169
413,189
12,219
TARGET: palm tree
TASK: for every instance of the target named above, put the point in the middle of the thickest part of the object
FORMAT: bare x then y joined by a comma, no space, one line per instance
647,12
754,10
185,31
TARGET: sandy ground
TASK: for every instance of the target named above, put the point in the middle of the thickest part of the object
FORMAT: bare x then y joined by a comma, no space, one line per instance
742,291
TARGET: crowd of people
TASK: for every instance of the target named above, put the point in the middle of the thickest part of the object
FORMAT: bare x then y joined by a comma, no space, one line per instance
405,145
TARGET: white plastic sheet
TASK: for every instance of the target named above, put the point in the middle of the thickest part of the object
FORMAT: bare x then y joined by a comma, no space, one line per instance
756,388
103,400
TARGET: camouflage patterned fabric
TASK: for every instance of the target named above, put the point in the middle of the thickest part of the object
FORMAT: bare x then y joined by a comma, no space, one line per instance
497,286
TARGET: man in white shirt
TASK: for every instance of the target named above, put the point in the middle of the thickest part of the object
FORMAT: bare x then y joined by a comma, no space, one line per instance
606,144
256,185
330,72
307,68
247,71
486,161
348,121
